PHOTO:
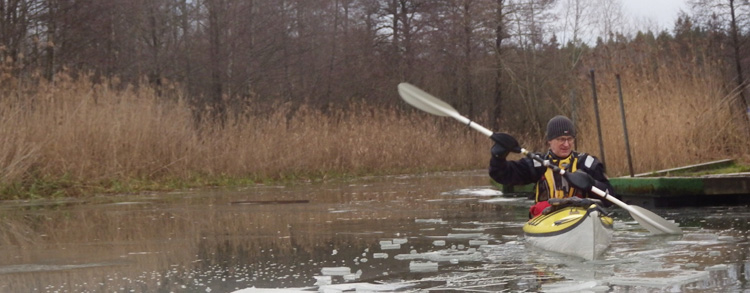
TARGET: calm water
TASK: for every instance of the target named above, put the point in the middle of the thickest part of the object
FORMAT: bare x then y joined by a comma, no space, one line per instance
437,232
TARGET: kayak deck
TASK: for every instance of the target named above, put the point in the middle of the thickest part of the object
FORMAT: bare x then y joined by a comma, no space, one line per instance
585,232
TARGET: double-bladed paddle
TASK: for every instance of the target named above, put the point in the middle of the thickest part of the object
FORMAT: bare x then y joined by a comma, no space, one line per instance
430,104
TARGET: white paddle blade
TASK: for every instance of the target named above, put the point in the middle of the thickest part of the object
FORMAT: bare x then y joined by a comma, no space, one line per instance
654,223
424,101
430,104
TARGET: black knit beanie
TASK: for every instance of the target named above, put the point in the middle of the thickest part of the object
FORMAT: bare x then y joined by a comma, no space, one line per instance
559,126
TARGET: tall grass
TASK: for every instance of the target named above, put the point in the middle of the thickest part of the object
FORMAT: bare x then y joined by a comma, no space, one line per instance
76,137
677,109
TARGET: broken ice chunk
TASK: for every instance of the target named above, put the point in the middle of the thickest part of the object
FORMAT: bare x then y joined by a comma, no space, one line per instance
336,271
418,266
390,246
478,242
380,255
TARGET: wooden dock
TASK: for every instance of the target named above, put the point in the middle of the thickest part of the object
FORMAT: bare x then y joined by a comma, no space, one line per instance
663,189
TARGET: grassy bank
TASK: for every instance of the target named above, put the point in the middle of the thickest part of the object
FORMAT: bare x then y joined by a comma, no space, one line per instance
77,138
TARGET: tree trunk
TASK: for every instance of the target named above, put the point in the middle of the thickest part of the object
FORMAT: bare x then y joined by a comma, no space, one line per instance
185,23
499,37
49,48
741,85
468,91
216,104
155,43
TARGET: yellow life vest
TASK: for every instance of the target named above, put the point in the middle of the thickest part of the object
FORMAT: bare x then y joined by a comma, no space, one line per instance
553,185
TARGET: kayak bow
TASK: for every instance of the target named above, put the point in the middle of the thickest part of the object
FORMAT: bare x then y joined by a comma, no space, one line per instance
577,231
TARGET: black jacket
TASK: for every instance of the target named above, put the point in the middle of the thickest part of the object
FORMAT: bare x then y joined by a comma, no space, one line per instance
527,171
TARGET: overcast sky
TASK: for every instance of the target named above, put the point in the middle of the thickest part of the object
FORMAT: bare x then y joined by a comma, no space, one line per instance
664,12
638,15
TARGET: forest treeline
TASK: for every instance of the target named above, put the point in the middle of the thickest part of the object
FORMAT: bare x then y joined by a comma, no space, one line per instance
497,56
501,62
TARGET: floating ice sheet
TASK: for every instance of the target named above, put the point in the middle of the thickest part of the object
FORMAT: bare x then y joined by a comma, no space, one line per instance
335,271
418,266
502,199
380,255
444,255
480,229
364,287
475,192
272,290
400,240
478,242
461,236
679,278
347,287
322,280
390,246
570,286
341,211
430,221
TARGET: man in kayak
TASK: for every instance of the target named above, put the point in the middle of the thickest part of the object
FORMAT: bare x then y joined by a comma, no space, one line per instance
550,185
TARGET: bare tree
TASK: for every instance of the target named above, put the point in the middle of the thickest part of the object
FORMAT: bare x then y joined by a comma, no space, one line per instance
49,41
732,17
467,23
577,20
17,18
610,17
501,33
529,22
499,55
216,29
156,27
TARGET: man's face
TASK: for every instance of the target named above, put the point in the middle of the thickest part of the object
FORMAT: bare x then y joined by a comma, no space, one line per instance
562,146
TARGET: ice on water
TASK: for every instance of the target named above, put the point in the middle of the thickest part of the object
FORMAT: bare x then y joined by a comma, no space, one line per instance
335,271
443,255
478,191
501,199
423,266
333,288
430,221
380,255
461,236
491,262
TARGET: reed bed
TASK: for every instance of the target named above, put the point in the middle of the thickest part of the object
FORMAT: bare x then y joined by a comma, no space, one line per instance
76,137
677,113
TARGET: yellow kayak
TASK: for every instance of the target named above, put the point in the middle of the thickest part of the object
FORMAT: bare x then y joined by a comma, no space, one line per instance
579,231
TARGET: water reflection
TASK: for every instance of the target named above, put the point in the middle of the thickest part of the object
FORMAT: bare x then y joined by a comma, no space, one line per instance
418,233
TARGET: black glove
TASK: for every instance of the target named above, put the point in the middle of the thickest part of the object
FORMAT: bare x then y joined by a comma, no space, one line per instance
504,143
580,180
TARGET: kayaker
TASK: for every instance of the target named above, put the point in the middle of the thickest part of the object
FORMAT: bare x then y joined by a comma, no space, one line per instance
560,137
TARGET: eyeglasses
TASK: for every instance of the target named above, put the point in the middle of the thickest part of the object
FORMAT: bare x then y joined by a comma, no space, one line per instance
562,140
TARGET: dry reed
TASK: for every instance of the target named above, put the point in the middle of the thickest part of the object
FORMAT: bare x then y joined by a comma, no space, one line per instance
678,113
79,137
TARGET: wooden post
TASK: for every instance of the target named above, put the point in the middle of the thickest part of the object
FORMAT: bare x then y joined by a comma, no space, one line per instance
596,113
625,126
